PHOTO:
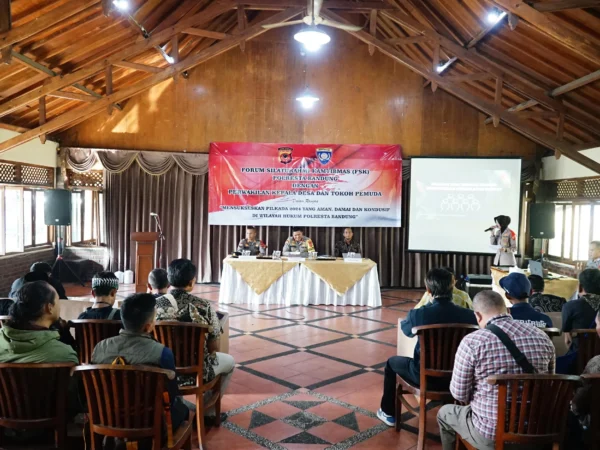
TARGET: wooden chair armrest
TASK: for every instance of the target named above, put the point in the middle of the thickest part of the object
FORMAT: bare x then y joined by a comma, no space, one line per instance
496,379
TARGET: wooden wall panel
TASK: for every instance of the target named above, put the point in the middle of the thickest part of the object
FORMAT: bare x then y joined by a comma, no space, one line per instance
251,97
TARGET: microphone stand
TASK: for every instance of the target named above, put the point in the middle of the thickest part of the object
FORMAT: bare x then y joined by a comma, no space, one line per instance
161,238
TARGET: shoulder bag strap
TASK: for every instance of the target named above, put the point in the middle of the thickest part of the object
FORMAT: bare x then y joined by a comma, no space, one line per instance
172,300
112,314
519,357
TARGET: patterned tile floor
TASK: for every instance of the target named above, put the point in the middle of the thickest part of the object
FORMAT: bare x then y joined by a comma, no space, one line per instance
309,378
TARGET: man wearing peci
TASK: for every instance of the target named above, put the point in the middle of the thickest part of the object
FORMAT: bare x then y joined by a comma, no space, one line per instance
297,242
348,244
255,246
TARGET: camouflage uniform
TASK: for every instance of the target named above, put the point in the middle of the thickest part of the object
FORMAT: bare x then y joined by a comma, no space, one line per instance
346,247
255,247
305,246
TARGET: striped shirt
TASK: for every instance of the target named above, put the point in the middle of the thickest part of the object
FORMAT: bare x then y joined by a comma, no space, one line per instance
481,354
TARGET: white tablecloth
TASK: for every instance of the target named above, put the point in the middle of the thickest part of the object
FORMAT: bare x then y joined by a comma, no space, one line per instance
299,286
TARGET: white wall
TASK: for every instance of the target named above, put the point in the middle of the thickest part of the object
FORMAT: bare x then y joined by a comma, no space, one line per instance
32,152
565,168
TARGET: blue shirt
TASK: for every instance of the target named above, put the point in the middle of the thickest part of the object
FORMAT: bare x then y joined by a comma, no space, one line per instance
524,312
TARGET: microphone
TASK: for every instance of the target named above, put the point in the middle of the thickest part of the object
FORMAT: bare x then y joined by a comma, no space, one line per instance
490,229
153,214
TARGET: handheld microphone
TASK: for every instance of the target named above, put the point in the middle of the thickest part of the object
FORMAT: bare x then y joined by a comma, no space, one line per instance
153,214
490,229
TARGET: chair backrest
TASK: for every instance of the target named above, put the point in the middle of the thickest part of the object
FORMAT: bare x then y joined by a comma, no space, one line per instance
532,409
589,346
551,332
4,319
125,401
439,344
594,428
186,340
88,332
34,395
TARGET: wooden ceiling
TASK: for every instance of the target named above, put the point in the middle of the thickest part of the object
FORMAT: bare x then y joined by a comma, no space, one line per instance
537,69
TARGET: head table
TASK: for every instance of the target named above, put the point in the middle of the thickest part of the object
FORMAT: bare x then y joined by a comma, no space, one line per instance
309,282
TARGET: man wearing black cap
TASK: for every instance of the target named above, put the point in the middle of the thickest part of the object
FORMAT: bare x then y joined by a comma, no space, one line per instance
517,289
39,271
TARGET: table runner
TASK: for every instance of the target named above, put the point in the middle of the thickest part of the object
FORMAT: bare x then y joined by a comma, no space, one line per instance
339,275
261,279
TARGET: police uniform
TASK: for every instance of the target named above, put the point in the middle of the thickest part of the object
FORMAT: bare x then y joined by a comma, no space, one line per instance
304,246
255,247
346,247
505,256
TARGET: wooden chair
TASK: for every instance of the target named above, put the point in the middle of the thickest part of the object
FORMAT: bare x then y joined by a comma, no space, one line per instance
34,397
127,402
538,417
593,433
438,348
589,346
4,319
551,332
88,332
186,340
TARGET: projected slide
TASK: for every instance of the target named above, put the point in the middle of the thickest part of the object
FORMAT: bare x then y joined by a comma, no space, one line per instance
453,200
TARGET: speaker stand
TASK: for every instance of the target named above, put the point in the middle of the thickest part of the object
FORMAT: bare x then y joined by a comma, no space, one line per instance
59,262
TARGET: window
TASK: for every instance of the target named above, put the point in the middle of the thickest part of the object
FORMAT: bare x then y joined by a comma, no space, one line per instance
575,226
87,217
23,219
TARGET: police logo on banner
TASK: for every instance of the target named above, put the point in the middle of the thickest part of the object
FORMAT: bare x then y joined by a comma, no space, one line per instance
285,155
324,155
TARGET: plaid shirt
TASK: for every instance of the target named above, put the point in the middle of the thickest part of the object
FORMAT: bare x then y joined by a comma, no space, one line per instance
481,354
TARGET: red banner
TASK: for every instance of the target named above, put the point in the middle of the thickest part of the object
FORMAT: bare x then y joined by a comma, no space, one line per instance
302,184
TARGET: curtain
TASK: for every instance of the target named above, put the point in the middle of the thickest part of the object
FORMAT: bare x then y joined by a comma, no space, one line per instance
153,163
181,200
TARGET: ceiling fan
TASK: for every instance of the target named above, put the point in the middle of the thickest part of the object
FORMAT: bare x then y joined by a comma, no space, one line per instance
313,18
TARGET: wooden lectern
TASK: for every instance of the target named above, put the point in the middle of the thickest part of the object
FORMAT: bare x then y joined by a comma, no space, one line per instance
145,247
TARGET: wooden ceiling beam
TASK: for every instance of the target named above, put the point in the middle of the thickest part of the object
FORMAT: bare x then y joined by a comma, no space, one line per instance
206,33
509,77
408,40
5,26
572,85
15,128
550,26
136,66
44,21
98,105
480,76
211,12
484,105
561,5
345,5
72,96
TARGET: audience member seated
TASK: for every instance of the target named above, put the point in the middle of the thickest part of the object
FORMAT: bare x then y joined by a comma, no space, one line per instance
517,289
439,284
481,354
543,302
104,290
582,400
136,345
581,313
39,267
5,305
594,261
158,282
182,306
460,298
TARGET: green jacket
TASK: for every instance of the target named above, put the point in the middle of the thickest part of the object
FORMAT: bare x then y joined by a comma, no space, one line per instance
33,346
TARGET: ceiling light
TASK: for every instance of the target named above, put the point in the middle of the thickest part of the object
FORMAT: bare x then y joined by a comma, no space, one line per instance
312,38
307,100
495,15
123,5
169,59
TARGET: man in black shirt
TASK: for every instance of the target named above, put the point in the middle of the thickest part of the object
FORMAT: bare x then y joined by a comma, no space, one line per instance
581,313
541,302
104,289
348,244
39,268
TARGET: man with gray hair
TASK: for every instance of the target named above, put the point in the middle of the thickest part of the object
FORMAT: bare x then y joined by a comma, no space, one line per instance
484,353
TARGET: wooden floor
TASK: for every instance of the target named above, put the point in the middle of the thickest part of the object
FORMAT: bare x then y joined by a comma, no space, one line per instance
309,378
